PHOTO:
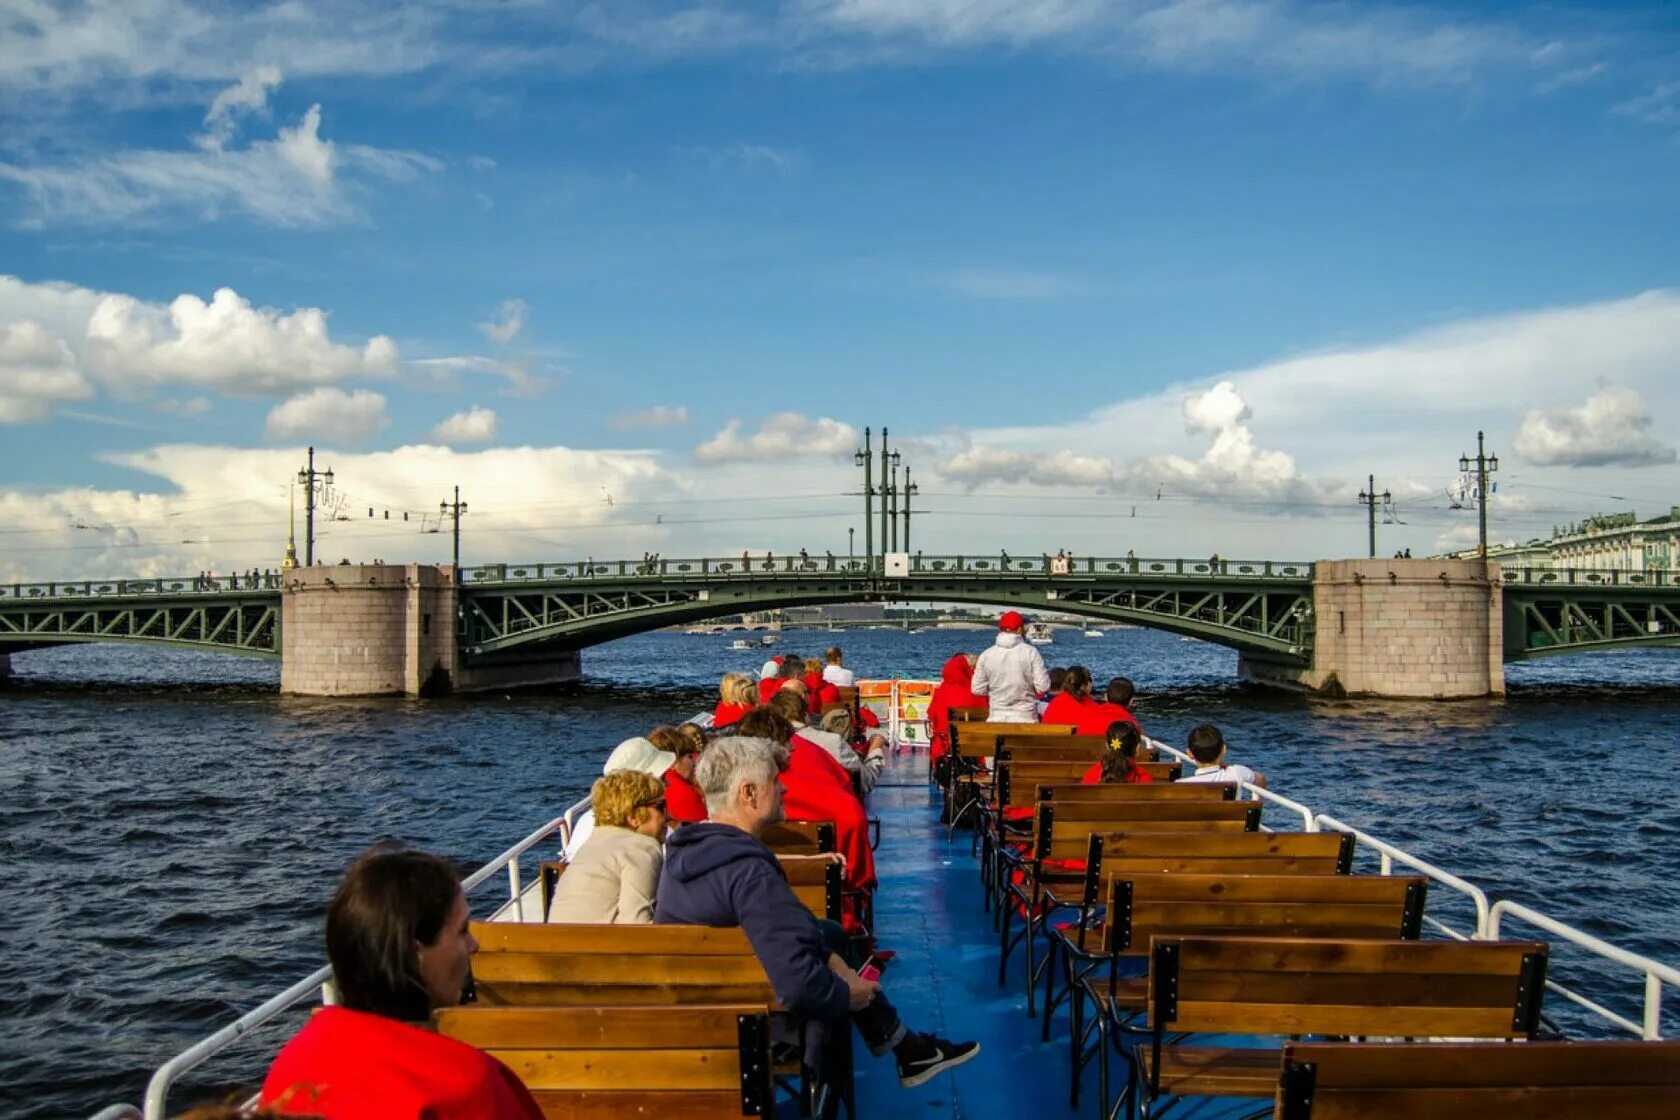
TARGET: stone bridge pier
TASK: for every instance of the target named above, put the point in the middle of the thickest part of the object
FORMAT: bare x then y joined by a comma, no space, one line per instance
1406,629
388,629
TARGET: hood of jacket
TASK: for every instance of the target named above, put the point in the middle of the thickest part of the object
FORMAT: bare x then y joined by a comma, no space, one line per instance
1008,639
957,671
700,849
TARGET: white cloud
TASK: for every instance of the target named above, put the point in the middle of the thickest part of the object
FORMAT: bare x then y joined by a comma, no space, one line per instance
328,415
508,321
442,373
246,96
659,416
37,373
225,344
1611,428
475,425
1660,105
299,178
786,435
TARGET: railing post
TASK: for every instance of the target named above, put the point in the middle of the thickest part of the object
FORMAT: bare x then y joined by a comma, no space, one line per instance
1653,1007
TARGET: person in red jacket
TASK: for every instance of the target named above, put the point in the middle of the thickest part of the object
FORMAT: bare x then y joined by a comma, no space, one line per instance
953,692
399,938
1114,707
817,788
818,692
737,698
683,800
1069,705
1119,765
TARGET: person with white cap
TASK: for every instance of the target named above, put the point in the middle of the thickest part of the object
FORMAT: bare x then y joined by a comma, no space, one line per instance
1011,674
635,753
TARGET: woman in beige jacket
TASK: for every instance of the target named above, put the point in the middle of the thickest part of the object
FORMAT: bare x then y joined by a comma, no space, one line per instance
612,878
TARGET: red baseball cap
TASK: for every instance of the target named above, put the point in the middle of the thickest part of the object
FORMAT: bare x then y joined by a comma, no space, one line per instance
1011,620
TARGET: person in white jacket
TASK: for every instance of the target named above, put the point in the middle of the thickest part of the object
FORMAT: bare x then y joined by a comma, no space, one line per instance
1011,674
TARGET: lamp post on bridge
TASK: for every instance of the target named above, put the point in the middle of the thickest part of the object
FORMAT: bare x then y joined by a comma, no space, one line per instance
307,478
909,489
892,496
865,458
1485,465
884,457
455,509
1369,497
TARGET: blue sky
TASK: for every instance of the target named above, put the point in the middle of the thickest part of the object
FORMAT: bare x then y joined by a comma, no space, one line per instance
1035,237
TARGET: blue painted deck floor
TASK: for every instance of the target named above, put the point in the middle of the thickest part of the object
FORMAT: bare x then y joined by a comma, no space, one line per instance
929,909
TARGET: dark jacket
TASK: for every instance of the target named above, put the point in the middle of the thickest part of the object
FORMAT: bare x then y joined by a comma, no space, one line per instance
717,875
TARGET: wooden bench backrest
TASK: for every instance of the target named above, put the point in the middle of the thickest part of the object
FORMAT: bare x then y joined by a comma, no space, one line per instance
1140,791
800,838
977,740
969,715
1281,985
1340,906
816,881
1018,779
1056,750
1479,1081
1064,830
603,965
593,1063
1202,851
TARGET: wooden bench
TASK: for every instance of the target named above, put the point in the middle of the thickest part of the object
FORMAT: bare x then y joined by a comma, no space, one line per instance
603,1063
800,838
1479,1081
816,881
1143,907
1294,986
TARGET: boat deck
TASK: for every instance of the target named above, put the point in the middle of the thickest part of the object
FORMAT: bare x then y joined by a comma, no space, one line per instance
929,909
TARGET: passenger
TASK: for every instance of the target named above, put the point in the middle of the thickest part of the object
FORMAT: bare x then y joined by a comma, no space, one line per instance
399,940
1114,707
1208,748
1119,766
835,673
632,754
953,692
1057,676
683,802
720,874
737,697
817,788
866,771
1011,674
819,693
612,879
1073,702
769,679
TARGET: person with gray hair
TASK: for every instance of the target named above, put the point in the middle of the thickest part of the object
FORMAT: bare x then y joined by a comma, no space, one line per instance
719,873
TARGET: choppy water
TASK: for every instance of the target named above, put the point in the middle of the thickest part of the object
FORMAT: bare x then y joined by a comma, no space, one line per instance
171,826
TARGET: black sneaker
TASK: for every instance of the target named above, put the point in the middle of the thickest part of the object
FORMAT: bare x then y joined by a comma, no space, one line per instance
938,1057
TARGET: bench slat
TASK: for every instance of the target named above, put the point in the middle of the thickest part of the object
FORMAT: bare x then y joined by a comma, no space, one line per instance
601,1028
692,1104
624,1069
532,937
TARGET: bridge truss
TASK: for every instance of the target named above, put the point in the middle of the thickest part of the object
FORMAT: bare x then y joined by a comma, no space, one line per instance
207,614
1550,613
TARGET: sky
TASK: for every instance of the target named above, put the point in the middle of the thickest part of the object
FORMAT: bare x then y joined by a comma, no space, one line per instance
1168,276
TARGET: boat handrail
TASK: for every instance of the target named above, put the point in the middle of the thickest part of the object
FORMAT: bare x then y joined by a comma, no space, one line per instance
1309,822
1389,855
1656,973
157,1090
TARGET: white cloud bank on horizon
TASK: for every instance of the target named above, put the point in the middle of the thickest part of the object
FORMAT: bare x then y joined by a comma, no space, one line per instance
57,340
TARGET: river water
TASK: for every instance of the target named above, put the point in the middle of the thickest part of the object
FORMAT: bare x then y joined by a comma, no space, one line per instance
171,826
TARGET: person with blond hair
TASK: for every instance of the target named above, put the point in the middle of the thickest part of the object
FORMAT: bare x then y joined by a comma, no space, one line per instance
683,802
737,697
612,879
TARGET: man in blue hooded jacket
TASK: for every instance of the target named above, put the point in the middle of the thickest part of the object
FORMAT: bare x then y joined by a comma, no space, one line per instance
718,873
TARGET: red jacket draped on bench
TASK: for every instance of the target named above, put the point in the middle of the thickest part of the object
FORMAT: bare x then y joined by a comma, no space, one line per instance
351,1065
954,691
815,787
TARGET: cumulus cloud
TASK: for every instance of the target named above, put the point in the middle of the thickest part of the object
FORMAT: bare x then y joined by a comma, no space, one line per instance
299,178
1611,428
475,425
226,344
328,415
37,373
786,435
508,321
659,416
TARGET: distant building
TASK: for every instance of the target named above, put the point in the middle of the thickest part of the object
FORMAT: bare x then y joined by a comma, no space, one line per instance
1603,542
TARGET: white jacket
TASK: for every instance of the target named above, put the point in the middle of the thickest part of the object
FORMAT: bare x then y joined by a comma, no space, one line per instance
1011,674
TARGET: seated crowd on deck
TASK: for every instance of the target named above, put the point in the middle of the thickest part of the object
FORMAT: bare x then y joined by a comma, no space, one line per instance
673,836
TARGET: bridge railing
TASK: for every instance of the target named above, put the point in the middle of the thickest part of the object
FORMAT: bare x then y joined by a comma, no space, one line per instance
1589,577
173,587
749,566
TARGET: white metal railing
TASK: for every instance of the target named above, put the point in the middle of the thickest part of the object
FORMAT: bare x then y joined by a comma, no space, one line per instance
1254,792
1390,855
1656,973
157,1090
